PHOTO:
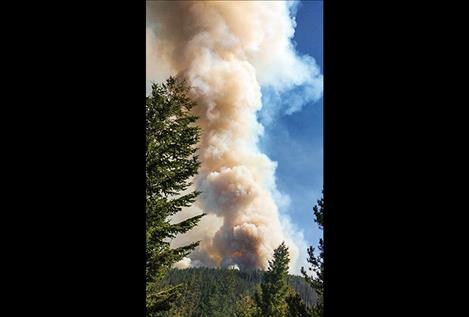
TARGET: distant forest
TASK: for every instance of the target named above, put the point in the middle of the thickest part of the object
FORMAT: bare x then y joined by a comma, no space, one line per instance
220,292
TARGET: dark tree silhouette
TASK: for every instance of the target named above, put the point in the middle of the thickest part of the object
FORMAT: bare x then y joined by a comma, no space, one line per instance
317,262
171,160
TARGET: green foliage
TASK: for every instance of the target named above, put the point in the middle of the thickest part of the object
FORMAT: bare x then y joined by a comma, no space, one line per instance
246,307
296,306
317,262
274,288
223,292
171,161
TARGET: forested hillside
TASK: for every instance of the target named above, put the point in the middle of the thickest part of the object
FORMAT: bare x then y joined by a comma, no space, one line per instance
222,292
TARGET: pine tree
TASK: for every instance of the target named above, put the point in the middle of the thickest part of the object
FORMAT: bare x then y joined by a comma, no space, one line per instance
225,292
316,280
171,160
246,307
296,306
274,287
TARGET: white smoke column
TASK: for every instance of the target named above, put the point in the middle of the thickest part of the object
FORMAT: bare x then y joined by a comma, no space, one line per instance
226,51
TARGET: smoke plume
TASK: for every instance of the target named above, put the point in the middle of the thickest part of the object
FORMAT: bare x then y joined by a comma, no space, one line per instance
227,51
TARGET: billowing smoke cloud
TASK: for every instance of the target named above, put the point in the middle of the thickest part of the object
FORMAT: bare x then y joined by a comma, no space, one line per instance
227,51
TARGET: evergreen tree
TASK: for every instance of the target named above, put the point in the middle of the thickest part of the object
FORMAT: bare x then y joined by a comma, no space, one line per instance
317,262
226,292
296,306
171,160
274,287
246,307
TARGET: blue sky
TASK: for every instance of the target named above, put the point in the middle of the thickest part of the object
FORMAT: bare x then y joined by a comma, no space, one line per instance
295,141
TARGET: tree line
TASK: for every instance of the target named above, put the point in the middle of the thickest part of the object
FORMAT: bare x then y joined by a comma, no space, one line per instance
223,292
171,161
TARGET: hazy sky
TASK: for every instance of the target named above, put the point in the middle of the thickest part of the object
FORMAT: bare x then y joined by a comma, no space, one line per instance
295,141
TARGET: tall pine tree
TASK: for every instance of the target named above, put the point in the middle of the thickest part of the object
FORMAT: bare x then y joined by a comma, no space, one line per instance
171,161
274,287
316,280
